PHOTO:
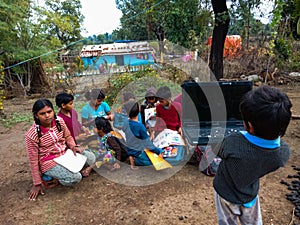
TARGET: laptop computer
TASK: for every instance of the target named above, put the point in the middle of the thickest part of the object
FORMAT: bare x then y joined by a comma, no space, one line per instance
210,110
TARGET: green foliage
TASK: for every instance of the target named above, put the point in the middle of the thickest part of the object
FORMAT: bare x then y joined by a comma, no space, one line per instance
283,49
184,22
174,74
221,18
63,20
32,31
118,81
285,19
15,118
243,21
133,20
137,82
294,64
237,26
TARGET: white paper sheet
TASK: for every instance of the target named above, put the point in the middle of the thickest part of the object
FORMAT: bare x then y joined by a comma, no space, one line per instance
71,162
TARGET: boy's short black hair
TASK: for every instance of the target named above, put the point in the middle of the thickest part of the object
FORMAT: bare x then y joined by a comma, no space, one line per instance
268,110
132,108
103,124
164,92
127,96
63,98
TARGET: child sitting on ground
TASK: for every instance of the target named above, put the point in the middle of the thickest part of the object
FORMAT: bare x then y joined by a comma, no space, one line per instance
49,138
110,151
65,102
121,114
94,108
249,155
168,113
149,103
137,138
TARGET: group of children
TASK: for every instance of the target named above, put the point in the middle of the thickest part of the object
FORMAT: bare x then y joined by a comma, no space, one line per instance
96,113
246,156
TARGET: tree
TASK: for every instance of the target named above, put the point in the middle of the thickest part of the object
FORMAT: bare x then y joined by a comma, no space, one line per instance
62,21
219,34
181,18
150,20
177,18
243,10
133,20
294,14
33,31
243,21
19,36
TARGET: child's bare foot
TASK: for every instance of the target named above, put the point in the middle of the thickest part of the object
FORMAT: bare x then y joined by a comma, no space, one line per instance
117,166
133,167
113,167
132,163
50,184
86,172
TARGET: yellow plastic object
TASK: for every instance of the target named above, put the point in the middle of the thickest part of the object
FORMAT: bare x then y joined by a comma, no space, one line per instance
158,162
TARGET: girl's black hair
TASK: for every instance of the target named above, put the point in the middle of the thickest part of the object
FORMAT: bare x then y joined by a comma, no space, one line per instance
63,98
103,124
95,94
37,106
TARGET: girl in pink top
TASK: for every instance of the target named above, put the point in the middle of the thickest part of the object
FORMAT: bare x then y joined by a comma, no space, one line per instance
65,102
47,139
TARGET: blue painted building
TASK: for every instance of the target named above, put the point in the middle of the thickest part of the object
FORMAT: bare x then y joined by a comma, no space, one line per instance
116,57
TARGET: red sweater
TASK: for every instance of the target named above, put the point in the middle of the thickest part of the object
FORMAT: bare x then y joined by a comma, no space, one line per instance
168,118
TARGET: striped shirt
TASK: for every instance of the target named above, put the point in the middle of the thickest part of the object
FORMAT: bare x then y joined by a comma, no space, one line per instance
41,151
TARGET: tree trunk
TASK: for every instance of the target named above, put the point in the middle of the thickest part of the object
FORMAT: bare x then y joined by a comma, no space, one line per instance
160,34
219,34
39,83
33,81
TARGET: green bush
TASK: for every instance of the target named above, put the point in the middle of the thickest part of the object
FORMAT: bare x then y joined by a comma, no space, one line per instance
137,82
283,49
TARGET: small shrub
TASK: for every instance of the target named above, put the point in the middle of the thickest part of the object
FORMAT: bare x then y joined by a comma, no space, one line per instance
16,117
283,49
138,81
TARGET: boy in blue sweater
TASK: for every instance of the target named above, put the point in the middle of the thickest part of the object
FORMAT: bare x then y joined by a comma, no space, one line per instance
247,156
137,138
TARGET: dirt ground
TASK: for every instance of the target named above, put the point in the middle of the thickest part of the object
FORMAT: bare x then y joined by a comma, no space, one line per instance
184,196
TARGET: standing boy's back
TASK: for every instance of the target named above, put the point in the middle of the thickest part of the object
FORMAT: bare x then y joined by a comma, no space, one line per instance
251,154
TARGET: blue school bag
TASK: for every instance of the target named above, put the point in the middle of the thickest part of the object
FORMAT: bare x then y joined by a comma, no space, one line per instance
177,159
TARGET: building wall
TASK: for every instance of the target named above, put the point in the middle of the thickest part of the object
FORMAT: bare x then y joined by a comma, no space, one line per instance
134,59
116,63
